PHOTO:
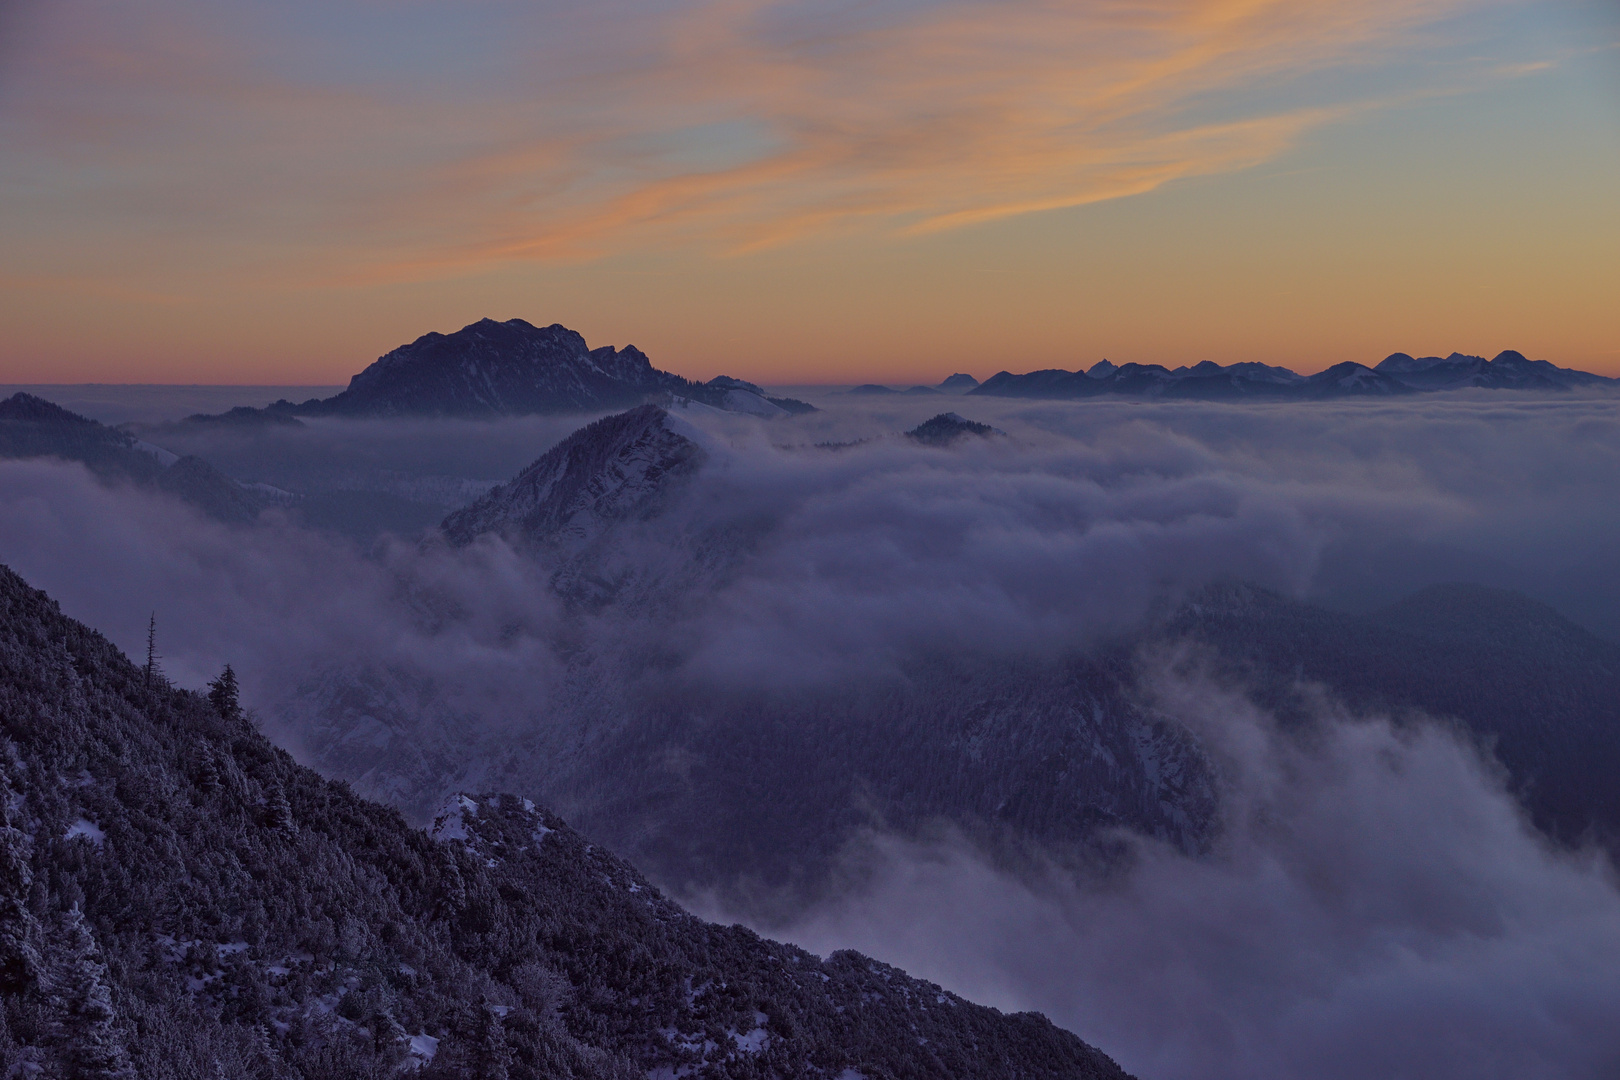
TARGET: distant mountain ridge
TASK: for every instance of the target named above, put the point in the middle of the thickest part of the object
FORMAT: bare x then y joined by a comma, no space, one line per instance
491,368
31,427
514,368
1397,374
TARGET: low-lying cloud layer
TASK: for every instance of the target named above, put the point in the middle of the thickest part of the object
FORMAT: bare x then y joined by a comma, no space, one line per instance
1067,530
1376,907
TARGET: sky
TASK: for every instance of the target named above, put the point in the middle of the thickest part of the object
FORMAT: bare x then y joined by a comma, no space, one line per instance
806,191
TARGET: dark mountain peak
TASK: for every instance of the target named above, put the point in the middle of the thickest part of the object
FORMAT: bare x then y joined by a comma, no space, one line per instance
1347,367
1350,379
628,364
726,382
612,470
1047,382
946,428
245,416
1268,372
1134,368
1511,357
492,368
959,382
872,388
520,324
31,427
36,410
1101,369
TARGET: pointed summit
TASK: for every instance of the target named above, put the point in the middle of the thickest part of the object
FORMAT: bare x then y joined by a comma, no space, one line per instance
612,470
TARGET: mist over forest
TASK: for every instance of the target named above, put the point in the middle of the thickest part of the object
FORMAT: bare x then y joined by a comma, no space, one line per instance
968,708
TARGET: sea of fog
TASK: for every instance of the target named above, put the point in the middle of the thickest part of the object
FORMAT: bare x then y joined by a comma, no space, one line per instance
1377,906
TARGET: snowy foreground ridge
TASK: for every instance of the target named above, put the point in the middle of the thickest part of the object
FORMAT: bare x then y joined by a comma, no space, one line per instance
179,898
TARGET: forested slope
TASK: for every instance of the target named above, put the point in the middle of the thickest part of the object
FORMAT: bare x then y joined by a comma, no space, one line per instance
178,898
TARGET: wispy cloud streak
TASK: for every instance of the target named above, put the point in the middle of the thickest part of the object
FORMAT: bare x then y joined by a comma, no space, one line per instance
326,143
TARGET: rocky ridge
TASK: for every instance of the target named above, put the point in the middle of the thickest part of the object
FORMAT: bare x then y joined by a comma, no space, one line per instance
1398,374
514,368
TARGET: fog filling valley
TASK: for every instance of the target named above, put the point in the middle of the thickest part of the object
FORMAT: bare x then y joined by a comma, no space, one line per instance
1366,897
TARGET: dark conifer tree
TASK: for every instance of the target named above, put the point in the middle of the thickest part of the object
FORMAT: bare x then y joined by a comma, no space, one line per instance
19,957
208,776
223,694
151,670
452,892
493,1056
278,812
87,1024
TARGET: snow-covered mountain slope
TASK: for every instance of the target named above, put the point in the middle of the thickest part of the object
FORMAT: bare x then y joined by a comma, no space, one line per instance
740,396
709,786
179,899
616,469
746,401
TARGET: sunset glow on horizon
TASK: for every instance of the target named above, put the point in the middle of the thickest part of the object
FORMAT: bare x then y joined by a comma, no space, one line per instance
794,191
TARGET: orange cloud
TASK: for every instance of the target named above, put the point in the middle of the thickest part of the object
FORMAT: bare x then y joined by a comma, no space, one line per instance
950,115
892,119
